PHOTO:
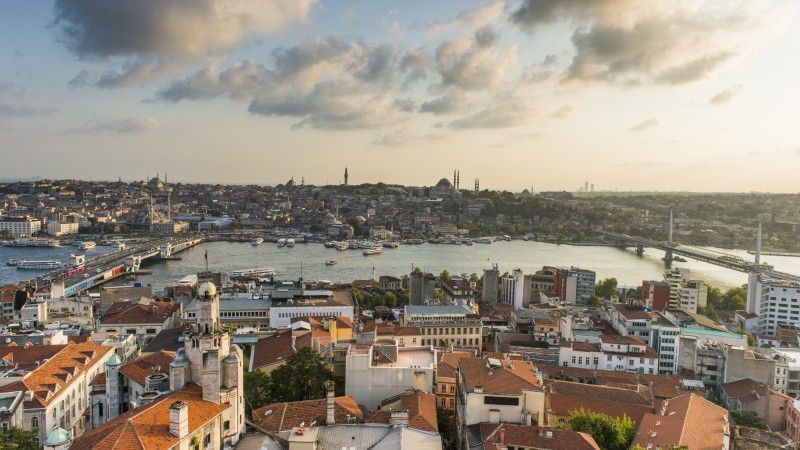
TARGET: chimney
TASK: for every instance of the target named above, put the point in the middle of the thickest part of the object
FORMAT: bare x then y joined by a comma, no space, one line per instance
179,419
294,341
330,417
503,436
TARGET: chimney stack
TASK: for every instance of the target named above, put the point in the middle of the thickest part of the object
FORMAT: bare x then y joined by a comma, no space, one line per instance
179,419
398,417
294,341
330,417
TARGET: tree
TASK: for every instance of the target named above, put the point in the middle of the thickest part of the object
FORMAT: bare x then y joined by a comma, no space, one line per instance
747,419
390,299
301,378
257,391
606,288
609,433
5,233
445,275
711,312
17,439
594,300
733,299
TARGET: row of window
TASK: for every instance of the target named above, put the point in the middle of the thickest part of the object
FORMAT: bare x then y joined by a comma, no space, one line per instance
446,331
467,342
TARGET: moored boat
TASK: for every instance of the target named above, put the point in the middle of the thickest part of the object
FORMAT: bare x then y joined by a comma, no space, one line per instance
290,242
330,262
257,241
281,242
88,245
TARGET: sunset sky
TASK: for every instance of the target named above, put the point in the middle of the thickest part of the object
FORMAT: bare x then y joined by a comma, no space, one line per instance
543,94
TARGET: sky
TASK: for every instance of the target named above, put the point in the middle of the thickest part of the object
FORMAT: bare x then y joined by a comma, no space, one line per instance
519,94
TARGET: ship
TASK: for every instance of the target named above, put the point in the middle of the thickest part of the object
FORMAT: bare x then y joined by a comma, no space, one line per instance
290,242
39,265
88,245
342,246
281,242
13,262
372,251
32,242
330,262
257,272
257,241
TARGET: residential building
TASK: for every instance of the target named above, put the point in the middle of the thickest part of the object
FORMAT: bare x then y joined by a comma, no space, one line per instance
389,283
243,313
617,401
443,326
112,294
619,353
62,228
20,226
655,294
665,339
11,409
574,285
776,368
793,421
490,282
747,321
56,379
459,291
632,320
774,301
750,395
446,375
323,303
690,421
138,379
496,391
383,369
143,318
508,436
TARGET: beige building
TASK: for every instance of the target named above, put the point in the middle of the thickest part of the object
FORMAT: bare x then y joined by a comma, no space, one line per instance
445,326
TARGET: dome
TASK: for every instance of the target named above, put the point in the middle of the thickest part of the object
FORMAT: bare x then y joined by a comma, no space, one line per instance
57,437
114,361
444,183
180,359
206,288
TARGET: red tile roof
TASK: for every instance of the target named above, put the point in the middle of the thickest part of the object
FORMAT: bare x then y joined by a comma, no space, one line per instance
421,408
507,434
511,378
284,416
688,420
563,397
272,350
151,313
141,368
147,427
662,386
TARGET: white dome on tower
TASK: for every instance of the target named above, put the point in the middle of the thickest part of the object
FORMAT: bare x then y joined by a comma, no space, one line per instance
206,288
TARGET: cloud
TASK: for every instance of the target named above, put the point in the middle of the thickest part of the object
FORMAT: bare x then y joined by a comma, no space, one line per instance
472,18
154,34
19,110
641,126
474,64
124,126
402,138
726,95
562,112
507,109
447,104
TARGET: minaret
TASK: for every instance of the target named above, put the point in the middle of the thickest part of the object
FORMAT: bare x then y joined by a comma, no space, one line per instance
758,243
458,179
455,180
345,175
477,185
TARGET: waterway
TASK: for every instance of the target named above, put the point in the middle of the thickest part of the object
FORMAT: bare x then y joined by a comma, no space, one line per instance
308,260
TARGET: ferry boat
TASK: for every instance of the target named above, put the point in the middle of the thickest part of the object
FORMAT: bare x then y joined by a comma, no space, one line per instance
13,262
330,244
257,272
39,265
330,262
342,246
88,245
257,241
484,240
372,251
392,244
33,242
290,242
281,242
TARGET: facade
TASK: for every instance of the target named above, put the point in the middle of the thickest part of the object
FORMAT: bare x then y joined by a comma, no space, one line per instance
389,283
774,301
665,339
61,228
793,421
443,326
20,226
11,410
496,391
618,353
630,320
57,385
421,288
280,315
749,395
384,369
446,375
241,313
574,285
655,294
490,281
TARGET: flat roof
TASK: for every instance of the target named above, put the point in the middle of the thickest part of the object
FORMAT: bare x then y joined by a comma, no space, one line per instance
422,357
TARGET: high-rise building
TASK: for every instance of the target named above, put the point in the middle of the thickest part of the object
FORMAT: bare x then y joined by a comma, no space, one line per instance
490,280
421,288
775,302
655,294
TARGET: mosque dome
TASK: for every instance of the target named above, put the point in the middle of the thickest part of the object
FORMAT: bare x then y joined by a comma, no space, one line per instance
444,183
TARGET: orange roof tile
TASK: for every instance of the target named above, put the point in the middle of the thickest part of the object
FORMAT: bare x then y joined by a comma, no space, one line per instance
563,397
141,368
153,312
688,420
284,416
511,378
147,427
535,437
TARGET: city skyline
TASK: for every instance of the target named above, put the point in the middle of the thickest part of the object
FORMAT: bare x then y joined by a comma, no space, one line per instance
692,96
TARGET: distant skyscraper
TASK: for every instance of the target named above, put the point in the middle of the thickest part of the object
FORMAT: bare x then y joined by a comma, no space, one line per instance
592,187
585,186
345,176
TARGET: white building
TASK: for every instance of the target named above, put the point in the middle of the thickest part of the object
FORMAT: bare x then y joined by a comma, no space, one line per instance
20,226
445,325
687,297
384,369
620,353
281,314
62,228
774,301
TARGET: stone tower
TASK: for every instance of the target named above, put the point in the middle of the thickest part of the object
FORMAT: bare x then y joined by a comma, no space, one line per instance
208,359
112,387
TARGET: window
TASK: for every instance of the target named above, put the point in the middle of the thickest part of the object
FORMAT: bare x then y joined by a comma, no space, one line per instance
452,403
226,425
508,401
34,423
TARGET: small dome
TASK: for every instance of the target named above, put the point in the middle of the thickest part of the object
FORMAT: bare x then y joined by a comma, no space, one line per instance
115,360
232,357
57,437
206,288
180,359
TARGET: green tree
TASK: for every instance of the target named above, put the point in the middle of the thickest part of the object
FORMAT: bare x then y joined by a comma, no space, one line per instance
711,312
594,300
301,378
733,299
404,299
5,233
747,419
609,433
606,288
390,299
257,391
377,300
125,229
445,275
109,228
17,439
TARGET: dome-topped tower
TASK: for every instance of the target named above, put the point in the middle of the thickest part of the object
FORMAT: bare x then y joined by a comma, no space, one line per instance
58,439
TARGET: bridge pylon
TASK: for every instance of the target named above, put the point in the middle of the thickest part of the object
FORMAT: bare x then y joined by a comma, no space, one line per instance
639,249
668,256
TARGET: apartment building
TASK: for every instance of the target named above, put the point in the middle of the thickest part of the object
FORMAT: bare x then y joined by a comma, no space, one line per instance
618,353
443,326
774,301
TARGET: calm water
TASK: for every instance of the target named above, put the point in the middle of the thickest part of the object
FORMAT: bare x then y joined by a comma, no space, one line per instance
625,265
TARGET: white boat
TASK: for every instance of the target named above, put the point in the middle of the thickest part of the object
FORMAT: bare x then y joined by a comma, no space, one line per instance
39,265
484,240
13,262
257,241
258,272
330,262
32,242
372,251
281,242
290,242
342,246
88,245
